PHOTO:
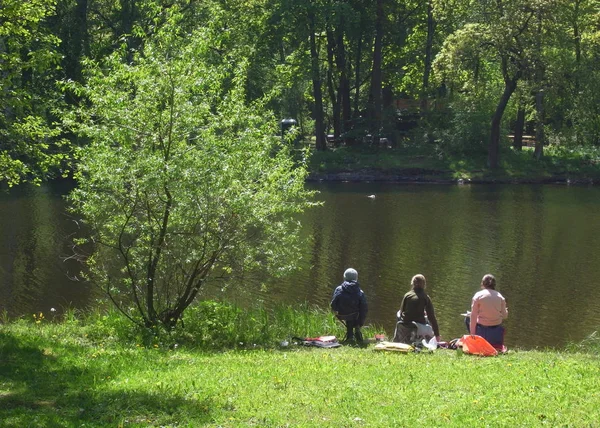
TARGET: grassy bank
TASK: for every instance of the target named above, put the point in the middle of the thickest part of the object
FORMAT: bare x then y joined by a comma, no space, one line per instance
93,373
418,163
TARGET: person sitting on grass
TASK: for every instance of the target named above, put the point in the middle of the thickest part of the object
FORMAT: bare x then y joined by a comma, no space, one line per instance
349,304
415,305
488,310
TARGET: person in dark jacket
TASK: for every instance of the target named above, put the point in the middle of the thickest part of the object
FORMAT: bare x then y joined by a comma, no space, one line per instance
415,305
350,305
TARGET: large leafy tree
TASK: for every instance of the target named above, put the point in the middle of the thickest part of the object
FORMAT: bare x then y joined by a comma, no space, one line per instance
500,40
182,181
573,104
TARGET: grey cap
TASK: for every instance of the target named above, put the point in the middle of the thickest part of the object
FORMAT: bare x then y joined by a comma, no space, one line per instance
350,274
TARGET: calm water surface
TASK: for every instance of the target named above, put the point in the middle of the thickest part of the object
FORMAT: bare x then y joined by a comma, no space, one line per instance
540,242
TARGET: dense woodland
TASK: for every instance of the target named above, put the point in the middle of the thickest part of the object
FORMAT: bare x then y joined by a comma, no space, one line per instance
463,75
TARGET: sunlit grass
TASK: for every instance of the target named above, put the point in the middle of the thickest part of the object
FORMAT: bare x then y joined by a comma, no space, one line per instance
84,372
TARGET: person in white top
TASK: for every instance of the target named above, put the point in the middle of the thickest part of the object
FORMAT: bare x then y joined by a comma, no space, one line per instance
488,310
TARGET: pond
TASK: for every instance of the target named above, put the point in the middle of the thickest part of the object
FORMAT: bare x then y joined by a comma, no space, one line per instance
540,241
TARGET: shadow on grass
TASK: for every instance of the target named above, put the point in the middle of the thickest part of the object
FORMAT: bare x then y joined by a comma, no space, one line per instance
37,388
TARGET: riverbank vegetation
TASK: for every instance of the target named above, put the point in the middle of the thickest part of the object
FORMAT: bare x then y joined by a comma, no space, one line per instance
229,369
430,164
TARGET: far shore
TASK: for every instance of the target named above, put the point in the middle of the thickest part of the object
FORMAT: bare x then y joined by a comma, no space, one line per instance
414,164
441,177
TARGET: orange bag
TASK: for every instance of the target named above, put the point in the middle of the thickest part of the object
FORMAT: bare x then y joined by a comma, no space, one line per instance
477,345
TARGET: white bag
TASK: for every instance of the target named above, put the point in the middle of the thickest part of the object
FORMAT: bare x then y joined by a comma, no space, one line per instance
424,330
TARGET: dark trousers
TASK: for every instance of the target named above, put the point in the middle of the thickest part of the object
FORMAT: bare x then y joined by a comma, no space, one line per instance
353,330
405,333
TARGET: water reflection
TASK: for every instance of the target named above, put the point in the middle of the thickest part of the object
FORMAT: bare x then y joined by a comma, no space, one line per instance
34,241
539,241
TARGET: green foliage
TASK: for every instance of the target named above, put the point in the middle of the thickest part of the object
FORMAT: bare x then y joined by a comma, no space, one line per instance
368,159
182,181
551,45
31,146
585,115
207,325
548,45
571,63
218,325
468,129
462,63
590,345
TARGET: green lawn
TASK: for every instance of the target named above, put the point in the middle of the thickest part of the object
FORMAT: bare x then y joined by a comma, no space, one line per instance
74,374
427,163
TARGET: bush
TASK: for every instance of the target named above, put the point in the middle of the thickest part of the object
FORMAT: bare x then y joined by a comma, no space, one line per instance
590,345
215,325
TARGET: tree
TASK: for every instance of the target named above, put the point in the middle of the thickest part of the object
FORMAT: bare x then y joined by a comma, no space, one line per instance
508,28
502,35
519,127
71,26
338,20
540,136
375,96
573,103
431,24
30,147
316,79
182,181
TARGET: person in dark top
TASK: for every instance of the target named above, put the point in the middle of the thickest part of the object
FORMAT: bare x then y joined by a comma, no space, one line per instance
350,305
416,307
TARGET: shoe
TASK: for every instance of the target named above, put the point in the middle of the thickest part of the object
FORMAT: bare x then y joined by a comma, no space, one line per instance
349,341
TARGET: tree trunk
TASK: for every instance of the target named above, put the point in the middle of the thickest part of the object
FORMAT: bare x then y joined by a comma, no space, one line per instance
316,80
539,96
155,258
519,126
357,61
494,148
577,40
26,80
540,136
335,99
344,88
6,86
376,78
77,46
428,56
81,20
128,16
